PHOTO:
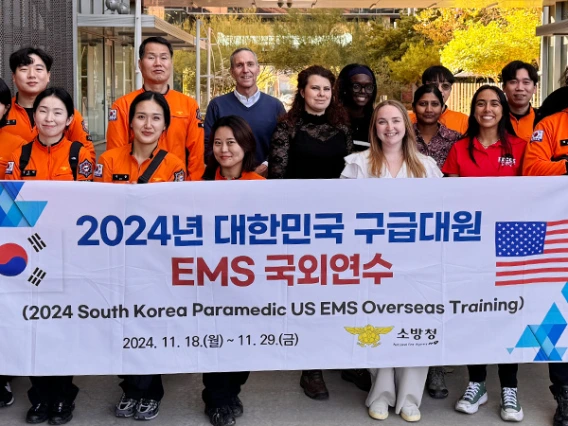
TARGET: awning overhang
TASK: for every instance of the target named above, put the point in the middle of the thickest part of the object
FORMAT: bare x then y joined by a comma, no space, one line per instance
151,26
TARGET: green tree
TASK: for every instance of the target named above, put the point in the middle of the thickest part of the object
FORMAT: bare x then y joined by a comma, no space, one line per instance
415,60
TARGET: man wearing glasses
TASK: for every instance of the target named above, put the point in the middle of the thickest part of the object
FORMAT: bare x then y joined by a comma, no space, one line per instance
444,79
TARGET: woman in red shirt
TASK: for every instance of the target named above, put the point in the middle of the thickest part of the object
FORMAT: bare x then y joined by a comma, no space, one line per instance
490,148
233,158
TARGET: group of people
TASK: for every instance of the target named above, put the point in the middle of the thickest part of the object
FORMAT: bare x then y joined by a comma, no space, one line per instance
333,130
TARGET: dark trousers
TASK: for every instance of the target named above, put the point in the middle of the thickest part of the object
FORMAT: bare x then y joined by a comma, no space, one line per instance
221,388
507,374
147,387
4,380
52,390
558,372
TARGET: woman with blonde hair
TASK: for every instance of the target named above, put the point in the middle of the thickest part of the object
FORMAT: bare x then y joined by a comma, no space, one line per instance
393,154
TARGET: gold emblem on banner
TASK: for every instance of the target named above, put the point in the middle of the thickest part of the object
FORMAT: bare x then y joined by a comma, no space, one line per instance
369,335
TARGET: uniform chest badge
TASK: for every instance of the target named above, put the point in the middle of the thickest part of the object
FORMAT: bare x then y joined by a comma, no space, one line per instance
86,168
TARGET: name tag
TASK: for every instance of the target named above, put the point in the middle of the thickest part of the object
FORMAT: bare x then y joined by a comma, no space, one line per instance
564,142
29,173
120,178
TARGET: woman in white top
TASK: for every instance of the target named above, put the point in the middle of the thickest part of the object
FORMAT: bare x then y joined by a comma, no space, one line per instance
393,154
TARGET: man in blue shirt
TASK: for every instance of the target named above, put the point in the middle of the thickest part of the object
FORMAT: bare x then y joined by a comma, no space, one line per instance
261,111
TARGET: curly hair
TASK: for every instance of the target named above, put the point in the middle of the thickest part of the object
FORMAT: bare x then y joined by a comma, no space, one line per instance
334,113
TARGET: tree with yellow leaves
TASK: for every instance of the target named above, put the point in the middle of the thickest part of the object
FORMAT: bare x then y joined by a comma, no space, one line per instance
484,48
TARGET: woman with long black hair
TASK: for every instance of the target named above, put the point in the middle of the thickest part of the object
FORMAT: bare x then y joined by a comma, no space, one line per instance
490,148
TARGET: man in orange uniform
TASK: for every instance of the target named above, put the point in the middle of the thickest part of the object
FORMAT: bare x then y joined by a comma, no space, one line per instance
547,153
119,166
185,134
443,79
31,73
519,84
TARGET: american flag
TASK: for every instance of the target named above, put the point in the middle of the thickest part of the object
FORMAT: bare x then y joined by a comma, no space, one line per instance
539,249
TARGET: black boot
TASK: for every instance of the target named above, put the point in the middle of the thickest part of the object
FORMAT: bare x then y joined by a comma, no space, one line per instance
561,396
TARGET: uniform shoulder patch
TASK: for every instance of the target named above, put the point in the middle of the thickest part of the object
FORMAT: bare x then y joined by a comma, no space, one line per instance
179,176
10,168
84,126
112,115
198,114
86,168
99,171
537,136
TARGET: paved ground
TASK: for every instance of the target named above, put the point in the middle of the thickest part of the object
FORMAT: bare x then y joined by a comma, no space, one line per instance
276,399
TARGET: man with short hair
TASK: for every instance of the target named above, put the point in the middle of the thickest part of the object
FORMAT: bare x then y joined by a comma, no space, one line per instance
31,74
443,79
261,111
519,84
184,137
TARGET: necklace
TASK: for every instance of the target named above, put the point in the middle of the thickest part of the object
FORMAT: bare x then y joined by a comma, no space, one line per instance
487,145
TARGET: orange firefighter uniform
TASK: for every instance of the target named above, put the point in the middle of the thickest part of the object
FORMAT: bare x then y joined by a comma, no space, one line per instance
184,137
50,163
19,124
547,153
244,176
8,144
524,126
118,165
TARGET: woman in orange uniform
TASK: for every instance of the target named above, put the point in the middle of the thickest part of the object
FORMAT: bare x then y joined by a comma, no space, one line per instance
51,156
8,144
233,158
142,161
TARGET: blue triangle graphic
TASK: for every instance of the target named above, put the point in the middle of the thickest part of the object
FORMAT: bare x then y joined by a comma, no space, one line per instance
555,333
541,356
31,210
561,352
510,350
12,188
528,340
554,316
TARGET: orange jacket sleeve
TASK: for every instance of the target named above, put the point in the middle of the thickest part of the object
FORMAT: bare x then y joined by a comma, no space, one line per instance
117,131
77,131
195,144
538,160
103,169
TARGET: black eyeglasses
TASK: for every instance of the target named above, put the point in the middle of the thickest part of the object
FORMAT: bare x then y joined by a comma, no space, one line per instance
368,88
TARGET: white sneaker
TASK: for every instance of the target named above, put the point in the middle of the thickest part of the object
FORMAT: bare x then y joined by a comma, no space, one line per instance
511,410
379,409
474,396
410,413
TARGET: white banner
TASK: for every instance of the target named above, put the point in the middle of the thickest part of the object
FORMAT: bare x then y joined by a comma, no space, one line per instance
232,276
